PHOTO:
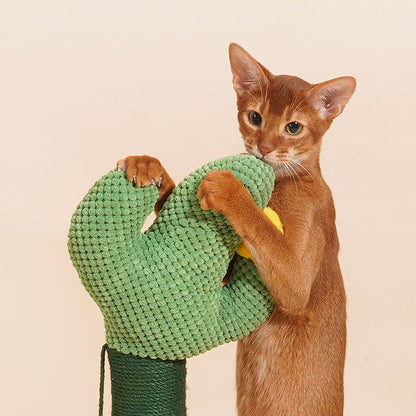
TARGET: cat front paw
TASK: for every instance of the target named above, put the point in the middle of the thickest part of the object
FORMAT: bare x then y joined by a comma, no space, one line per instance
221,191
147,170
142,170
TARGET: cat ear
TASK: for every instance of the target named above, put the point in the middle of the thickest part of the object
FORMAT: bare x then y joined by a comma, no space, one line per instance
247,72
332,96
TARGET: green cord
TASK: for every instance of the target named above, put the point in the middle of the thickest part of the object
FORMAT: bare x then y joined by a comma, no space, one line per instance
102,375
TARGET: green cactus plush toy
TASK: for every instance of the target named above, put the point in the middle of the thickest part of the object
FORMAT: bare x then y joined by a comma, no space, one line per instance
160,291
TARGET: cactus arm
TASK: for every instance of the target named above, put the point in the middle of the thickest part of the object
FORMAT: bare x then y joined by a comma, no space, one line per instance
105,228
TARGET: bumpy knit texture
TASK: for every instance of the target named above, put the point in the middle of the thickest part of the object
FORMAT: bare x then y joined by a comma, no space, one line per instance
160,291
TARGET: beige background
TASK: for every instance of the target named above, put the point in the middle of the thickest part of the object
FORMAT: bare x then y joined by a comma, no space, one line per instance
84,83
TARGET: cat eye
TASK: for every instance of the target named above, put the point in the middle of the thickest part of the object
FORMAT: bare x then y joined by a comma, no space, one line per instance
294,128
255,118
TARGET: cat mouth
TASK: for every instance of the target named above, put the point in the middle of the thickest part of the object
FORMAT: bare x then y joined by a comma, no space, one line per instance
266,158
269,161
277,160
255,153
278,163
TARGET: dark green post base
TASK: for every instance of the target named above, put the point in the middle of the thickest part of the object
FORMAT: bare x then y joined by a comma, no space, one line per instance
146,387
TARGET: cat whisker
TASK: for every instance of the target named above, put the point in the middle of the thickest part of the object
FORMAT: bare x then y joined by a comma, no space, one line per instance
289,164
301,166
288,171
294,173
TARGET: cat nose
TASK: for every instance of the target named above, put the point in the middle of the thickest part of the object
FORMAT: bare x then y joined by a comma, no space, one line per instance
264,149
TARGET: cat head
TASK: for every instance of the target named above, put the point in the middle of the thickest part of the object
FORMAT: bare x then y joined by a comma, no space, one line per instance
283,118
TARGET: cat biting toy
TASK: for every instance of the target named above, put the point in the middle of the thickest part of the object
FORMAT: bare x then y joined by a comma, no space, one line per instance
160,291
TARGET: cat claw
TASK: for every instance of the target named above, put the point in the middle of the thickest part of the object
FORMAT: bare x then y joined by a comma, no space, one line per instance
121,164
157,183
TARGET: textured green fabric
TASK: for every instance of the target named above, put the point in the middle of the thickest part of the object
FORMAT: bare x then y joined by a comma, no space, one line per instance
160,291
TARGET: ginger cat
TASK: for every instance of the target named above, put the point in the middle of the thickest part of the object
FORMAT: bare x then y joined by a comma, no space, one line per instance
293,364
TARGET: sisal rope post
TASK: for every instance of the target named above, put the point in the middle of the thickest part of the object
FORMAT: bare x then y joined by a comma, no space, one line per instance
144,386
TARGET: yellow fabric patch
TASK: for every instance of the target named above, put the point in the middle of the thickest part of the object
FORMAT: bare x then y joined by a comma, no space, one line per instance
274,218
